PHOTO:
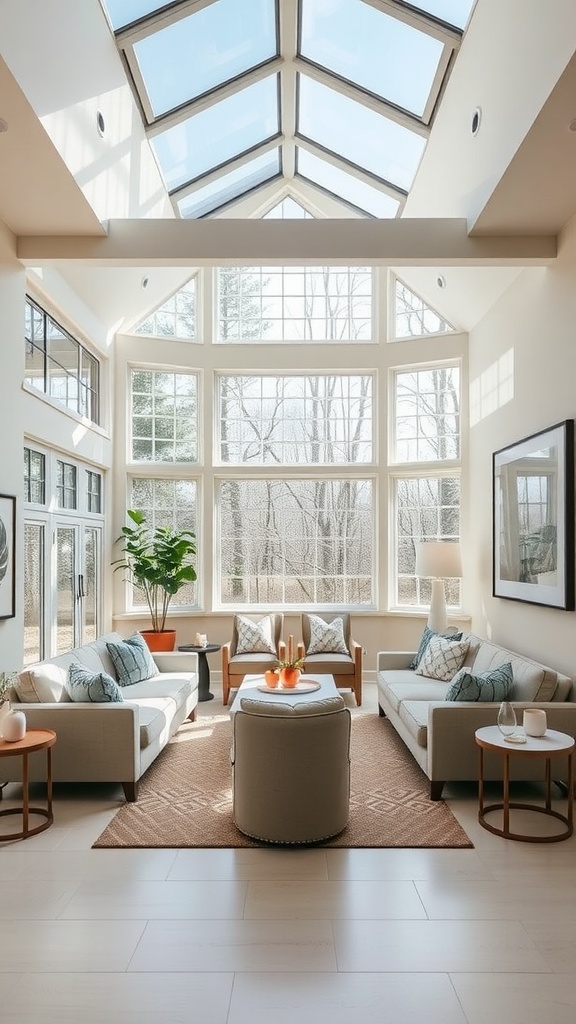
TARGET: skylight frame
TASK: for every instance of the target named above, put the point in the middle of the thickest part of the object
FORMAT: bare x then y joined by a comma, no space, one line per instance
287,62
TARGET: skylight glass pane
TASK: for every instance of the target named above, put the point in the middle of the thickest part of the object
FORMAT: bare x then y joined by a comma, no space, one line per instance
345,186
454,12
219,133
391,59
229,186
199,53
124,12
288,209
358,133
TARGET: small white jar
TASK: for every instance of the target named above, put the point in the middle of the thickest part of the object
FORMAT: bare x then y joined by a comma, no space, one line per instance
14,726
534,722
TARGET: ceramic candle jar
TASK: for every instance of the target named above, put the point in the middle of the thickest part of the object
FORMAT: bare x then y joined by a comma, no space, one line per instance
534,722
14,726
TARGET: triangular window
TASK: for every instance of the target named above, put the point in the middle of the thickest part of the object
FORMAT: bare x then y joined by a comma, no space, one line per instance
288,209
176,318
412,317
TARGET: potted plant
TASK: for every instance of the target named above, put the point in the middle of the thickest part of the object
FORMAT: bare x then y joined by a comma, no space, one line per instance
159,562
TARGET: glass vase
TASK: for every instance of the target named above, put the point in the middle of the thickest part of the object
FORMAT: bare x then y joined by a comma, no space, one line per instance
507,719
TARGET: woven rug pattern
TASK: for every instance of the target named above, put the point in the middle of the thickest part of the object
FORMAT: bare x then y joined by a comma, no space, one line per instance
185,797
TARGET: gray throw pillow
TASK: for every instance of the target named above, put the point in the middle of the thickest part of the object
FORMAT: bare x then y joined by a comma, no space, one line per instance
84,686
132,660
493,685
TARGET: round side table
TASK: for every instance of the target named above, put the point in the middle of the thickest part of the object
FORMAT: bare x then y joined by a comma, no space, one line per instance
35,739
551,744
203,668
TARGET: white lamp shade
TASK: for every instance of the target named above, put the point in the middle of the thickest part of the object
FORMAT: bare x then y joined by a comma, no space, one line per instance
439,559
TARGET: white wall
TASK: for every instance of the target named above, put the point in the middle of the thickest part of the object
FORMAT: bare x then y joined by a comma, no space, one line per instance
523,379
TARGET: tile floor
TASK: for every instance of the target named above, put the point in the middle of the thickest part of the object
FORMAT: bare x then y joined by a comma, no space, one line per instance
306,936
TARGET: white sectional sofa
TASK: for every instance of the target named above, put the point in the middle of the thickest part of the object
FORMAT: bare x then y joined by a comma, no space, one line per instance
111,742
440,733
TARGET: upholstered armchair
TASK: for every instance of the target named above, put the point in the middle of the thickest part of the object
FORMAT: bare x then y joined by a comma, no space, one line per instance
291,769
328,648
256,646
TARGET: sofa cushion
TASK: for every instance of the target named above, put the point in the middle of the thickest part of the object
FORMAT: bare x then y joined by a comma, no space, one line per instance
425,640
326,637
254,637
132,660
442,658
493,685
401,684
414,715
532,681
43,684
96,687
328,664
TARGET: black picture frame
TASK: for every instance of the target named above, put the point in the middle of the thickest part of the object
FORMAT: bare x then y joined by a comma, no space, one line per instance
7,556
533,518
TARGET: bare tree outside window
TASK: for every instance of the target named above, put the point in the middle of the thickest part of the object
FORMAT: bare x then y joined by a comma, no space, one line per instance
414,318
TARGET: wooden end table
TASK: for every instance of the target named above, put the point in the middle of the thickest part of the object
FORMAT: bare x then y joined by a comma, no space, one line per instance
203,668
551,744
35,739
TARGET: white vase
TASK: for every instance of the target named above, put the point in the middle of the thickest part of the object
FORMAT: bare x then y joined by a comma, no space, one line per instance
4,712
14,726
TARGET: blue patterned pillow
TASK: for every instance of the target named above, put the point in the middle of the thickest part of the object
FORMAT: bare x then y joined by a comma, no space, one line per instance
486,686
132,660
425,640
96,687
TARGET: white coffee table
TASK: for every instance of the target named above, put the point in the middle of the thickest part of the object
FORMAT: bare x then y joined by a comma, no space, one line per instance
249,688
551,744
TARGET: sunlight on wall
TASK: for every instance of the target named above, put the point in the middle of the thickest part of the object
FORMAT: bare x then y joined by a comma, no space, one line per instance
493,388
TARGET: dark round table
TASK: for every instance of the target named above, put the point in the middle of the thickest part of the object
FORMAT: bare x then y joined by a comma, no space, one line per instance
203,667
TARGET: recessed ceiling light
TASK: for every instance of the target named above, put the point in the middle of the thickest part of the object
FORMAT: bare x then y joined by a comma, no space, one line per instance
476,121
441,281
100,123
144,281
572,126
3,125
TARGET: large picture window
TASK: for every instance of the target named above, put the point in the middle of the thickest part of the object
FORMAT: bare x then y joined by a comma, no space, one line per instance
295,304
427,508
427,414
166,502
287,420
58,365
164,416
296,542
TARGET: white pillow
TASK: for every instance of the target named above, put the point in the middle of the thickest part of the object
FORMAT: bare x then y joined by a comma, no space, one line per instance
442,658
41,684
326,637
254,637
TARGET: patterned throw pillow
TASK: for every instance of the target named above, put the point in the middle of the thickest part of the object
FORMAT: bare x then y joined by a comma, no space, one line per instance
486,686
132,660
326,637
254,637
96,687
425,640
442,658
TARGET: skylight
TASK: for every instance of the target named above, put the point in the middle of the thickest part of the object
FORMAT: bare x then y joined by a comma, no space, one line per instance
341,96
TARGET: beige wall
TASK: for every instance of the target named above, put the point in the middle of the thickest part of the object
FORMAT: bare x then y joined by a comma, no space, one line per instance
522,380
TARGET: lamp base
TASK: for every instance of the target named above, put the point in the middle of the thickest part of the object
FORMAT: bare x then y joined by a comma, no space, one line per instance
437,618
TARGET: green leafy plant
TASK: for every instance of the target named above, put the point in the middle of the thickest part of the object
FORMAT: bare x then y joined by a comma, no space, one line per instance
6,682
159,562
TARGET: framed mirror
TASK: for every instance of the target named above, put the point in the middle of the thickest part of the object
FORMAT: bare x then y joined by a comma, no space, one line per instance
533,518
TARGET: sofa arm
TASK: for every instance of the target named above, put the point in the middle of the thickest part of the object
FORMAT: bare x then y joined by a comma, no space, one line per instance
394,659
176,661
95,742
452,750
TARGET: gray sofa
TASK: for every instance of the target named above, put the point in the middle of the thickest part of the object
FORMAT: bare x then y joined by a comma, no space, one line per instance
112,742
440,733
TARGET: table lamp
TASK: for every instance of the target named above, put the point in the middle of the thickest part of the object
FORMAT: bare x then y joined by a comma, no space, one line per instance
438,560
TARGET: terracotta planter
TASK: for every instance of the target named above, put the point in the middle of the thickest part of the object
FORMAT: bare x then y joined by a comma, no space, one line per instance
163,641
289,677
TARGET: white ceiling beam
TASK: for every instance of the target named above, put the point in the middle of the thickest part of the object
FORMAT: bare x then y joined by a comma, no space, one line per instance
422,242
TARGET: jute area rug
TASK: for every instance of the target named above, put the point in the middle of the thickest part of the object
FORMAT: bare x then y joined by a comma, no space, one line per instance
185,797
